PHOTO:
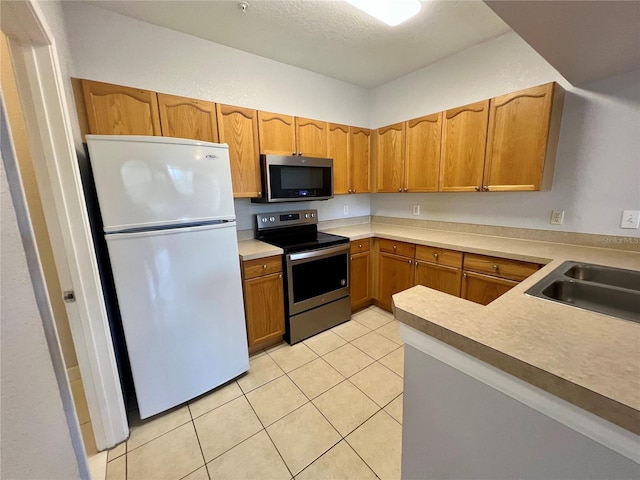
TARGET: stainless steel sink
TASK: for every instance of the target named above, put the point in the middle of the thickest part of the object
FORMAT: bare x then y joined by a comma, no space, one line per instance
616,277
608,290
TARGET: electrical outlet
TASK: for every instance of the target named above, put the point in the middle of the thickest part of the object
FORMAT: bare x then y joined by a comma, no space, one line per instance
630,219
557,216
346,209
416,209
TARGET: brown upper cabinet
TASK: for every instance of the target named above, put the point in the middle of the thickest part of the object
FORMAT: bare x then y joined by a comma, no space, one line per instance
464,137
339,150
408,155
184,117
522,139
389,158
507,143
287,135
238,127
422,156
359,177
349,148
118,110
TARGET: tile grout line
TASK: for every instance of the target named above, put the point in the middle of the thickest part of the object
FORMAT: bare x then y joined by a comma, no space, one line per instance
269,436
193,423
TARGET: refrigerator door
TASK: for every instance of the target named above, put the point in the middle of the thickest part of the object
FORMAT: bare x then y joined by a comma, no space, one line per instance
147,182
180,296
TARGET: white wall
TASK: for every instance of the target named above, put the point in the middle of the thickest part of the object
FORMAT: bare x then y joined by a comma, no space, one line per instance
36,442
116,49
597,172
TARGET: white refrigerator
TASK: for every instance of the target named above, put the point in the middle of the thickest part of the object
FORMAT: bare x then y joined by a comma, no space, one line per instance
169,223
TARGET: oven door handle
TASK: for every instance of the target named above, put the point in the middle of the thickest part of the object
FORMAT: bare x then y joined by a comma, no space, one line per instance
324,252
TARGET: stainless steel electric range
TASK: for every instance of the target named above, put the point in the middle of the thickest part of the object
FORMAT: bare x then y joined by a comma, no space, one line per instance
316,267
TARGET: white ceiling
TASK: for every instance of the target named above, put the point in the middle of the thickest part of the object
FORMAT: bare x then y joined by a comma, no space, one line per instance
328,37
583,40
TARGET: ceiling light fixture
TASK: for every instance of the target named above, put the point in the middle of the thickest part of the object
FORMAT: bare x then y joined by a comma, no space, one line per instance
391,12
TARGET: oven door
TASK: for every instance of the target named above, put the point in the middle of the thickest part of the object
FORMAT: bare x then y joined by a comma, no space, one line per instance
316,277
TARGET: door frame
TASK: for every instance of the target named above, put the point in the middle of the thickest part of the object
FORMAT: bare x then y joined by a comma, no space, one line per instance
46,111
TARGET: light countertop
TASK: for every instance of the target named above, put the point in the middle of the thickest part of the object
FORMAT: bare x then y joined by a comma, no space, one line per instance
588,359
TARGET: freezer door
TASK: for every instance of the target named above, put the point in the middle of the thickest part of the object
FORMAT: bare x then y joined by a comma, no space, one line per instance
156,181
180,296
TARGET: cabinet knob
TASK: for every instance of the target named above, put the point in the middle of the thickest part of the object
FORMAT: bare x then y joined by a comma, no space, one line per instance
464,275
410,262
280,276
264,266
485,188
495,267
399,189
405,189
435,255
299,154
259,194
477,188
294,154
350,191
354,190
351,257
394,247
359,245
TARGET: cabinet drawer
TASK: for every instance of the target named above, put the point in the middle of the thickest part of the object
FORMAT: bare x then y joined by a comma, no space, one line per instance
499,267
261,266
398,248
358,246
439,256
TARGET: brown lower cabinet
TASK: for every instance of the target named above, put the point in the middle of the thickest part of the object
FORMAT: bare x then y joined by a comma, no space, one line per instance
263,301
360,269
478,278
438,277
484,289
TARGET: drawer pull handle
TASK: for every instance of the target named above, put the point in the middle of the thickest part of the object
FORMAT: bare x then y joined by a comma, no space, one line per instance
264,266
394,247
410,262
359,245
495,267
280,276
435,255
464,275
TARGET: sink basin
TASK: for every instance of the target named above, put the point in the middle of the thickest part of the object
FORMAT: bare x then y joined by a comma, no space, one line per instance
607,290
616,277
611,301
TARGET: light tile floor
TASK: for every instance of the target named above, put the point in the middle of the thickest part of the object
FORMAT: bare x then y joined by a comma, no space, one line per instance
328,407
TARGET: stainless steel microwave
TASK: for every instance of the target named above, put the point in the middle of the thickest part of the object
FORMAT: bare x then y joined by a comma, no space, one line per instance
294,179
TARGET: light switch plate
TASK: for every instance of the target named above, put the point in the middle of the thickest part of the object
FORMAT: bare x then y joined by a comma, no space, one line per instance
630,219
416,209
557,216
346,209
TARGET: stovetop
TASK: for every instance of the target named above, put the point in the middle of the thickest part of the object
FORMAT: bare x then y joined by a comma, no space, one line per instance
295,231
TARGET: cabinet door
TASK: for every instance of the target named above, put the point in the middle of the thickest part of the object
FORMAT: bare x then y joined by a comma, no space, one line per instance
311,137
238,127
276,133
339,151
187,118
395,273
464,137
264,307
390,158
517,139
484,289
360,159
118,110
359,273
444,279
422,166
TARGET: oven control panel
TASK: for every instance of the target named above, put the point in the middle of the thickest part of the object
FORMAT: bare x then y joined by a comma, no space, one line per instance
284,219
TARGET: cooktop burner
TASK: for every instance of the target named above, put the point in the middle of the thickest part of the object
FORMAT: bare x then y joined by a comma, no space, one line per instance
294,231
